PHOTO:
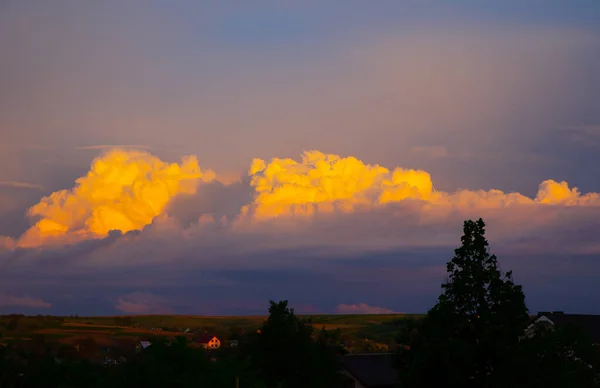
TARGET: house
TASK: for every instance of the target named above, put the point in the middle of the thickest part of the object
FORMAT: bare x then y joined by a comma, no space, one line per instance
209,342
589,324
370,370
141,345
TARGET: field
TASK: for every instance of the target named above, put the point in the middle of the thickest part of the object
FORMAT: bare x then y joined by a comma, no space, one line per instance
376,328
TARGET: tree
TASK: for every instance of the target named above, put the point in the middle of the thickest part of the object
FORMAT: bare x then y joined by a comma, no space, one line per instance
287,355
471,336
563,357
176,364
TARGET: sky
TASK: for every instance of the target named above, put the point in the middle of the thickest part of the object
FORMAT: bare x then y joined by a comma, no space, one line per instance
203,157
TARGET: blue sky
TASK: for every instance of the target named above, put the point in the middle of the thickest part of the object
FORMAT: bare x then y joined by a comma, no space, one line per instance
480,94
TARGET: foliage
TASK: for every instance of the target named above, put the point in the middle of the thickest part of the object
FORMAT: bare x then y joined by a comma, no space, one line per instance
474,328
286,354
561,358
474,335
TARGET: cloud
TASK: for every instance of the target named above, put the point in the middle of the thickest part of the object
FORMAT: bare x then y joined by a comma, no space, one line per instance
362,308
585,135
124,190
11,301
7,242
431,151
109,147
21,185
142,303
330,183
323,198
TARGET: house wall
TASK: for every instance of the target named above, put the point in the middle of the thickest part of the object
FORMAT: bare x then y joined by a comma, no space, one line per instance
357,383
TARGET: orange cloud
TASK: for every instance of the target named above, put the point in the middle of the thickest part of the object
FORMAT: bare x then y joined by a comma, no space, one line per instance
124,190
7,242
326,183
128,190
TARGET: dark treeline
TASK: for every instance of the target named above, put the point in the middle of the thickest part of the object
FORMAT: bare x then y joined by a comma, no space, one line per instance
478,335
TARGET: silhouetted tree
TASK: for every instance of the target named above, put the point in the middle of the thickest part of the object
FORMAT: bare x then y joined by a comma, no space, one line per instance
177,365
471,336
286,354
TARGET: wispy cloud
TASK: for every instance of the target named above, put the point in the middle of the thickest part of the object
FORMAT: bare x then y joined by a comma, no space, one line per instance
7,300
21,185
142,303
585,135
431,151
362,308
110,146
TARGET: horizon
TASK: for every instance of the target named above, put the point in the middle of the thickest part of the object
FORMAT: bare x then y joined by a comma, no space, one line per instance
200,157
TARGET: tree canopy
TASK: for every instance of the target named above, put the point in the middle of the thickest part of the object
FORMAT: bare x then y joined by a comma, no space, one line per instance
288,355
475,334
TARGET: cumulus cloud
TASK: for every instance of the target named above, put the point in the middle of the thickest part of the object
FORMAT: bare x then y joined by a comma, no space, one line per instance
327,183
12,301
362,308
320,199
331,182
142,303
124,190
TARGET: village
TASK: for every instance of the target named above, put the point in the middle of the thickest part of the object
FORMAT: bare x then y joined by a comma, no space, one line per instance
92,340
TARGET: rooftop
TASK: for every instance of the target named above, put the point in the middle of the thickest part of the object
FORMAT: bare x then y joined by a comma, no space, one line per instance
590,324
373,370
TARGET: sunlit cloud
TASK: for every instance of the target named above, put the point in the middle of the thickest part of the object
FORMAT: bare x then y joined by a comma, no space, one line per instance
124,190
134,191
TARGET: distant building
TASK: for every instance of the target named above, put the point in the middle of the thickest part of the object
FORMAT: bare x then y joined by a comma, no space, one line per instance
141,345
209,342
371,370
589,324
